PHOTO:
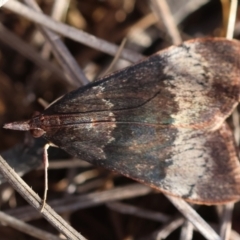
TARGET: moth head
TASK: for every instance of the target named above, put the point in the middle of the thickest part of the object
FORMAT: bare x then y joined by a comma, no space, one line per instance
29,125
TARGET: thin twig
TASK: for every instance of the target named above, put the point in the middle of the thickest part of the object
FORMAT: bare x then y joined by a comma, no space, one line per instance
226,221
187,231
69,163
116,57
27,51
139,212
32,198
168,228
26,228
225,16
58,12
194,218
71,32
161,8
62,54
86,175
232,19
188,8
93,184
73,203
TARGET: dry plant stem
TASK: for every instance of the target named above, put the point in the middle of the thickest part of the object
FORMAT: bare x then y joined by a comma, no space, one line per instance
194,218
94,184
225,15
187,9
86,175
150,19
167,229
155,216
226,221
116,57
232,19
32,198
71,32
59,10
187,231
20,46
43,103
73,203
69,163
26,228
147,214
139,212
64,57
161,8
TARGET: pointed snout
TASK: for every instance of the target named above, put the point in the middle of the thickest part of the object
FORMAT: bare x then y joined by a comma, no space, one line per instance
20,126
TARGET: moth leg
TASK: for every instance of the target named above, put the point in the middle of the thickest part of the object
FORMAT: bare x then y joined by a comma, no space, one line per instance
46,165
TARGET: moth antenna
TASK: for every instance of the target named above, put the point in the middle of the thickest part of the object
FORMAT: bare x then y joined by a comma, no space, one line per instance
20,126
46,165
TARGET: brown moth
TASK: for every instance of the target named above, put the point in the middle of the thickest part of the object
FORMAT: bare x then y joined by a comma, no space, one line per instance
160,121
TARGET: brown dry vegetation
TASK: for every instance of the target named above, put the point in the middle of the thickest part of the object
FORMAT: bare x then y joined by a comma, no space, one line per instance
141,213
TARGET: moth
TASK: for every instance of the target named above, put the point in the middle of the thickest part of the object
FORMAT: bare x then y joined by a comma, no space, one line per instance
160,121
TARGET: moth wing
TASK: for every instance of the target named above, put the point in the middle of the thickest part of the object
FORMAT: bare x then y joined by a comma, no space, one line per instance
194,84
160,121
201,167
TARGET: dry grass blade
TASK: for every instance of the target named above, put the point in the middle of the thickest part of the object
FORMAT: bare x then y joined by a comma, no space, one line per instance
58,12
168,228
62,54
32,198
20,46
160,7
84,201
69,163
226,221
232,19
26,228
194,218
188,8
115,58
71,32
187,231
139,212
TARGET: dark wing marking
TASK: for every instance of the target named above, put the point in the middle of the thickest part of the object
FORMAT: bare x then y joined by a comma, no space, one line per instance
199,166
